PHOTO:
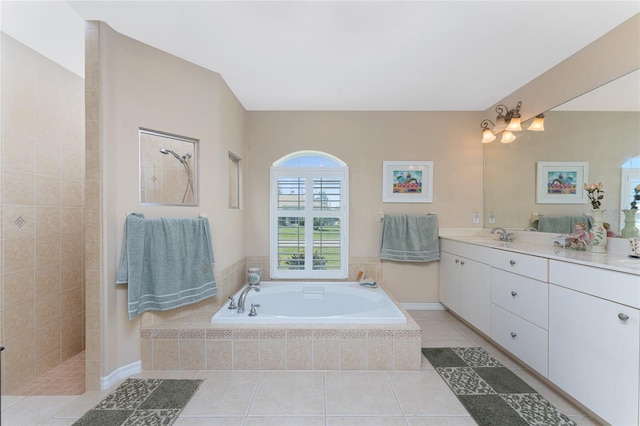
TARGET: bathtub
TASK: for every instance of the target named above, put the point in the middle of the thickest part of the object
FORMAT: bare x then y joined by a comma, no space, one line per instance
314,302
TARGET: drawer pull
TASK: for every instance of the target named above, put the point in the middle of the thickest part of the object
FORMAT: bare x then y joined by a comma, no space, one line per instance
457,260
514,294
512,262
513,335
623,317
462,262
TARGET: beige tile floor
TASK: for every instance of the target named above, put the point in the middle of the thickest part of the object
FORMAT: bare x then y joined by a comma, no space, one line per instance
309,398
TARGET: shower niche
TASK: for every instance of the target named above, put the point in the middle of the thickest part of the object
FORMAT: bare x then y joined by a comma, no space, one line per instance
168,169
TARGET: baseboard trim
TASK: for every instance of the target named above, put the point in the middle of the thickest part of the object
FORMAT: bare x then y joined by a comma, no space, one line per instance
423,306
120,373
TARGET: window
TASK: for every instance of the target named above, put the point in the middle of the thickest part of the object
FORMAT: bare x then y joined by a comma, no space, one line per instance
309,214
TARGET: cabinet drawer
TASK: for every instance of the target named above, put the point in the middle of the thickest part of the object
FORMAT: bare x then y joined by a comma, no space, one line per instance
525,297
523,339
522,264
470,251
611,285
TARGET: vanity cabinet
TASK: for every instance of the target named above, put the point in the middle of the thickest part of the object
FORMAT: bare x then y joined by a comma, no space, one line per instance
465,282
519,311
594,339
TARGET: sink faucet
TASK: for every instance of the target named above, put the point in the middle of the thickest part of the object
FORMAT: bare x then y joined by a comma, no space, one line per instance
504,235
243,297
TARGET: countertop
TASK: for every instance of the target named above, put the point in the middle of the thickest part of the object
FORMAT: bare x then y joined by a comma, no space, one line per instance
540,244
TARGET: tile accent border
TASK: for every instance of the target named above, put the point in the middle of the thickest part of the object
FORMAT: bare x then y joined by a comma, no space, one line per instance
229,349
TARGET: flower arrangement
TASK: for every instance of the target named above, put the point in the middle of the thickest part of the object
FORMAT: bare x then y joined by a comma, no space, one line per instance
595,194
636,197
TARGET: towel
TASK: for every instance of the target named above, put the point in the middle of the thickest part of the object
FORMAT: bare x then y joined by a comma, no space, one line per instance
561,224
410,238
168,263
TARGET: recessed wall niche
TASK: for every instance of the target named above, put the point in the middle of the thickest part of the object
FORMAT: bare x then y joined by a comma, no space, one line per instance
168,169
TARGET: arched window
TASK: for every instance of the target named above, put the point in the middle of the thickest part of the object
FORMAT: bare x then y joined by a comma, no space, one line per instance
309,215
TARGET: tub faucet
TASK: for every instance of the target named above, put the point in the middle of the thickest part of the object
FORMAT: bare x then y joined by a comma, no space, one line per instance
504,235
243,297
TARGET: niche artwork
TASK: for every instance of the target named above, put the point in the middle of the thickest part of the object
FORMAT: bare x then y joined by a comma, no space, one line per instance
168,169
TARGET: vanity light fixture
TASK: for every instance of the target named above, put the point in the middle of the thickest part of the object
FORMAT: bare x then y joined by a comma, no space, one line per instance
538,124
507,122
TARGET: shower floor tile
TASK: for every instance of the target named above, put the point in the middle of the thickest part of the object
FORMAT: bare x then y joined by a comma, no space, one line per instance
67,378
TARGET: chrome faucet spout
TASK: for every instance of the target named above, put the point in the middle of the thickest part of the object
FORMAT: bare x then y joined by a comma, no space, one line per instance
243,297
504,235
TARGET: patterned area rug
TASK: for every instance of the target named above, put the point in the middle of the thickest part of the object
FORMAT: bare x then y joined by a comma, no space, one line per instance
142,402
492,394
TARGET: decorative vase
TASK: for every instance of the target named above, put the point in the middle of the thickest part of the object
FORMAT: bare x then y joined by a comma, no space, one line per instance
630,230
598,233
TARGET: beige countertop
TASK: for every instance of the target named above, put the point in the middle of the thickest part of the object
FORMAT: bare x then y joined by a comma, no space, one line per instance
540,244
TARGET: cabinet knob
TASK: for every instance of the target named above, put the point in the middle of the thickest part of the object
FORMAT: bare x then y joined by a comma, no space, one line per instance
462,262
512,262
457,260
513,335
514,294
623,317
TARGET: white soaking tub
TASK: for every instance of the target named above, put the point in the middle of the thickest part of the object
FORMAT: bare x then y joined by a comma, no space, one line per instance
313,302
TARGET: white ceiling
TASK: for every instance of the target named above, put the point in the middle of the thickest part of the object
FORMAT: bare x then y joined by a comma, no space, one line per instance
367,55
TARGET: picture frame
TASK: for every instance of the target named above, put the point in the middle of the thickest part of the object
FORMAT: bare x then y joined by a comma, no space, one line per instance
407,181
561,182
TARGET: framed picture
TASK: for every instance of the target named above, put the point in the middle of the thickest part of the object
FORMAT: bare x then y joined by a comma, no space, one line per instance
561,182
407,181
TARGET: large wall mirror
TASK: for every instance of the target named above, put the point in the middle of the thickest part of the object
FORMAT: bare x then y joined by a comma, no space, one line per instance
168,169
601,127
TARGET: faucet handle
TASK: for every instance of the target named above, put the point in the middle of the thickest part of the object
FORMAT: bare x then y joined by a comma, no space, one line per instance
232,304
253,312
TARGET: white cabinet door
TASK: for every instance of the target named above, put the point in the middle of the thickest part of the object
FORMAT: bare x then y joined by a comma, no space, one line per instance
449,281
594,352
465,288
475,294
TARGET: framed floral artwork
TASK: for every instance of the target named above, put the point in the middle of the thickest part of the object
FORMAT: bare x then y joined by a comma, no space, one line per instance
407,181
561,182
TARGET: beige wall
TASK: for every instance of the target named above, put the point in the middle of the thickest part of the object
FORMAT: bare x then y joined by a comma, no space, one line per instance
364,140
42,300
140,86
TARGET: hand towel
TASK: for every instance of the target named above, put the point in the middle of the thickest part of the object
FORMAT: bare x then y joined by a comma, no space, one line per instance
561,224
167,263
410,238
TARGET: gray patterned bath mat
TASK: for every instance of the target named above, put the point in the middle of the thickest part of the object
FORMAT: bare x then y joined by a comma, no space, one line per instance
142,402
492,394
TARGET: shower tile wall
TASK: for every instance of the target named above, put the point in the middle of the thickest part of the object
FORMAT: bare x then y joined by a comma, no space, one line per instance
42,305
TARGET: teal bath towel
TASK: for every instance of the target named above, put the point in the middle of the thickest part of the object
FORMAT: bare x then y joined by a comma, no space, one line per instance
410,238
561,224
168,263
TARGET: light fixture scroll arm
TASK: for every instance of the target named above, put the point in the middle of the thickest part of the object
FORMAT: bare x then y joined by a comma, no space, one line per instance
485,124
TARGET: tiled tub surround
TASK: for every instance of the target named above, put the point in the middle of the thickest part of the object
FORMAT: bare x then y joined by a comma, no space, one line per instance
196,344
185,339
